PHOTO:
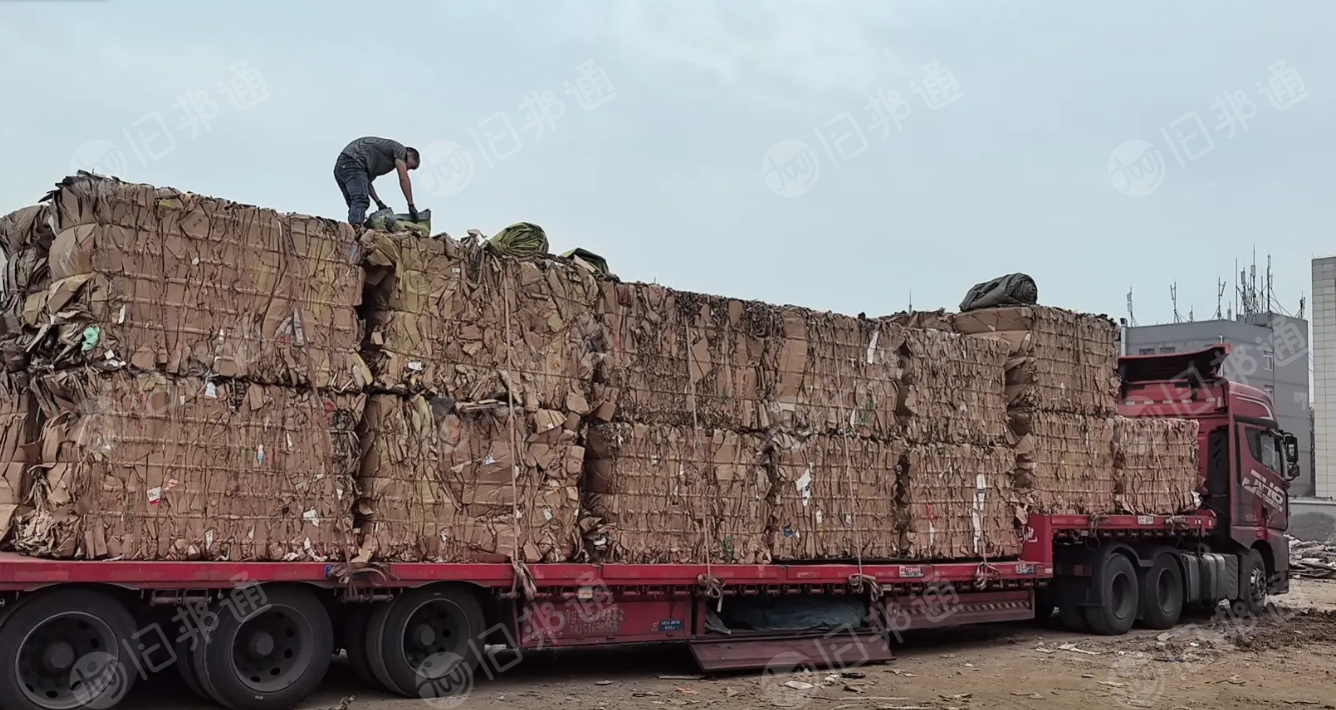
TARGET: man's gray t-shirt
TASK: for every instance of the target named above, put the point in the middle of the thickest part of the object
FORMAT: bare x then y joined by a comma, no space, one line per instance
376,155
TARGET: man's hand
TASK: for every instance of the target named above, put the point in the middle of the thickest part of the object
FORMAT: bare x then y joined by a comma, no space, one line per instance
412,212
381,205
404,183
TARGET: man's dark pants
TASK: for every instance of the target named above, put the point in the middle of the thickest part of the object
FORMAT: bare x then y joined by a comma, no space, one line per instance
355,185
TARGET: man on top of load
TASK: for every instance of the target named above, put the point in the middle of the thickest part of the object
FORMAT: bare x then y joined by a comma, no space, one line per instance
366,159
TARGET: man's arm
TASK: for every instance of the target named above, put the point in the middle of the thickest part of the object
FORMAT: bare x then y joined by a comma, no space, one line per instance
371,188
407,186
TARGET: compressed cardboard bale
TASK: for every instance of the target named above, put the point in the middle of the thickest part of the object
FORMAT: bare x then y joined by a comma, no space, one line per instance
18,430
958,503
439,485
1156,465
1060,361
153,467
1064,462
936,320
831,373
682,359
663,493
954,388
158,279
835,498
448,320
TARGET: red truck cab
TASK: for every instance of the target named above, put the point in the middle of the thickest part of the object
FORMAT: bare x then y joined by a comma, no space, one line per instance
1246,461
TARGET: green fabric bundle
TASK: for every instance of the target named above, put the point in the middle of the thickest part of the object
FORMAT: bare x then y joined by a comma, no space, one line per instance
519,239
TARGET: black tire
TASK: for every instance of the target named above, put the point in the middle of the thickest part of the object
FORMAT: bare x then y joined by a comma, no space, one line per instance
1043,604
1252,585
94,671
375,661
1121,595
1073,619
1162,593
431,642
291,644
185,667
354,643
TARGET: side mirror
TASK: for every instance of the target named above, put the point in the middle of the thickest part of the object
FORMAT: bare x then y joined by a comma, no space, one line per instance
1291,446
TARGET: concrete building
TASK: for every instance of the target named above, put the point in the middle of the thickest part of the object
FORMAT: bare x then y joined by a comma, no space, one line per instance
1324,375
1270,352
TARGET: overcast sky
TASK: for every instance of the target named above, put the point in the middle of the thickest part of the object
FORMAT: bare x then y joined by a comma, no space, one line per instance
672,111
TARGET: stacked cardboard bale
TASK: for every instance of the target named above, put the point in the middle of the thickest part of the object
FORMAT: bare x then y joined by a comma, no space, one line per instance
837,497
960,502
441,485
196,363
1156,464
665,493
456,336
18,420
1061,389
835,385
454,321
680,358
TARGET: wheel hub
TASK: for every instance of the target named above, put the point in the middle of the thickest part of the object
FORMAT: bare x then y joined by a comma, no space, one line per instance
67,661
261,644
272,650
431,630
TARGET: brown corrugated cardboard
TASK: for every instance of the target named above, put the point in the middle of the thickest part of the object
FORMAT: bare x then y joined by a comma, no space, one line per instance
1061,361
439,485
836,498
1064,462
680,358
676,494
959,503
18,421
159,279
453,321
825,372
1156,465
152,467
954,389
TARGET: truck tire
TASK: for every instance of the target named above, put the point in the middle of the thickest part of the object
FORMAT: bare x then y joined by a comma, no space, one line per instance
1252,585
354,643
375,632
1121,598
1162,593
1043,605
1073,619
270,659
63,649
185,667
431,642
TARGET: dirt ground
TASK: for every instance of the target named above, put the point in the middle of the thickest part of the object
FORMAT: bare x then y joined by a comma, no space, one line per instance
1287,660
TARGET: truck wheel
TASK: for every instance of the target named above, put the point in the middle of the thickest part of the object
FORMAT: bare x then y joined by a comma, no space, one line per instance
1043,604
1121,599
431,642
185,667
372,638
62,650
1162,593
1252,585
1073,619
270,659
354,642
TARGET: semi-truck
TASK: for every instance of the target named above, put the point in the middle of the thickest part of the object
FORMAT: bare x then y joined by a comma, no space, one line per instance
261,636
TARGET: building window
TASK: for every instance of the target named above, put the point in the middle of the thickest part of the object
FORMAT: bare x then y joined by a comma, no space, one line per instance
1266,362
1146,351
1167,349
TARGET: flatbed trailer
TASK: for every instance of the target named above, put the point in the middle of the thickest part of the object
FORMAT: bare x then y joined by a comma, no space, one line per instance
261,635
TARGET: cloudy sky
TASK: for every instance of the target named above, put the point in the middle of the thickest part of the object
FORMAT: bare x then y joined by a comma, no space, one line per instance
676,132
